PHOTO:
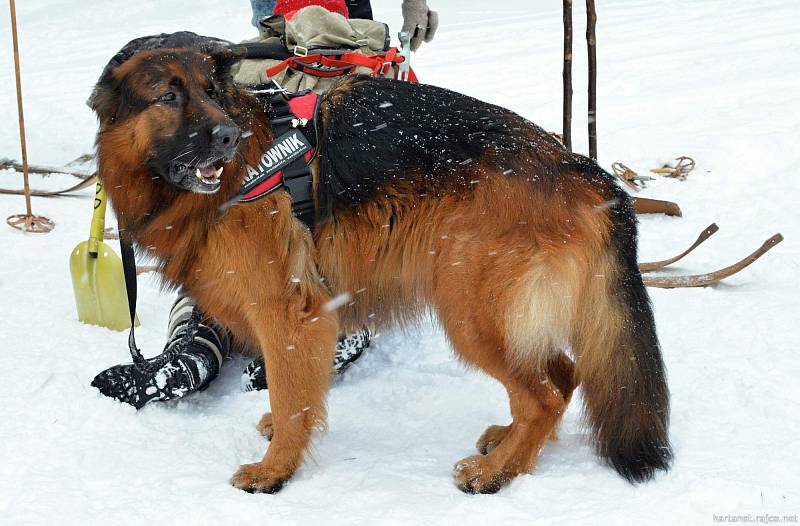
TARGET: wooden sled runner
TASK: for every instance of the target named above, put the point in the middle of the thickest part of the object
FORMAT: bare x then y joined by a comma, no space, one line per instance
701,280
657,265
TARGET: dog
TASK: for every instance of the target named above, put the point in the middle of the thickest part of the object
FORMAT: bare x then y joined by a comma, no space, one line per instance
427,201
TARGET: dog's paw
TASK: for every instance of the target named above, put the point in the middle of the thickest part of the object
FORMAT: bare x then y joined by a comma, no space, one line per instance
264,426
478,474
258,478
491,438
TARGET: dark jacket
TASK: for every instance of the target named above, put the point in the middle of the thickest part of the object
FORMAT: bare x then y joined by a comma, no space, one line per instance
359,9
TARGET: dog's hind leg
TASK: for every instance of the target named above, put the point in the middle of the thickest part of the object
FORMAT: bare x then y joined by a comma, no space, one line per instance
298,343
536,404
536,407
491,438
560,372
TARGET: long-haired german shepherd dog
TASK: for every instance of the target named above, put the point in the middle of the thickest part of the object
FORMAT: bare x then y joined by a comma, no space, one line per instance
427,201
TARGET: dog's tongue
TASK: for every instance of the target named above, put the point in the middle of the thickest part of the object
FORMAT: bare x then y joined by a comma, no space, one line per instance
208,172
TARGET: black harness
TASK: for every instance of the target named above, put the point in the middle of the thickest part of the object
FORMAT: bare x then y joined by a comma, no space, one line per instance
285,165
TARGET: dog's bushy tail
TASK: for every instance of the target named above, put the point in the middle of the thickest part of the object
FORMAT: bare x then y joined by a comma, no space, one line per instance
619,361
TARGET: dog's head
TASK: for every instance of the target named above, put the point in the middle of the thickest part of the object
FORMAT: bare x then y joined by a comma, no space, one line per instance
175,112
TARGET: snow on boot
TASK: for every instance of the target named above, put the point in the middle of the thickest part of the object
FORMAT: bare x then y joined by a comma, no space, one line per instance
348,349
191,362
254,376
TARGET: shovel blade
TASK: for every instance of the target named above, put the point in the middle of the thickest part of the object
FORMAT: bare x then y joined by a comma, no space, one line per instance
99,285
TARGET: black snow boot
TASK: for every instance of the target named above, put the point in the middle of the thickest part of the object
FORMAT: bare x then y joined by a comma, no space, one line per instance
348,349
196,362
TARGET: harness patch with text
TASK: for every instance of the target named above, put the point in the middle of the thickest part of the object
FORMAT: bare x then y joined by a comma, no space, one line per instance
267,176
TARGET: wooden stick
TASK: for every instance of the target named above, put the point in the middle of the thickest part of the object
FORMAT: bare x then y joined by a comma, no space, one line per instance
85,183
711,278
567,76
145,270
6,164
27,188
650,266
591,40
655,206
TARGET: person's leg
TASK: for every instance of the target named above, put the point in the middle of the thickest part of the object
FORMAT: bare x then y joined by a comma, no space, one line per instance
195,367
192,369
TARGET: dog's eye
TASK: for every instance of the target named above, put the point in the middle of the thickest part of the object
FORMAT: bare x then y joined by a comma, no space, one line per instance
212,93
167,97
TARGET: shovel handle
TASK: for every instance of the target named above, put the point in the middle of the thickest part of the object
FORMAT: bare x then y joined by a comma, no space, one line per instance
98,219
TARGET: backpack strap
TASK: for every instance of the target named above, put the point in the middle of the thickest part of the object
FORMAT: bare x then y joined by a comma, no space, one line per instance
336,66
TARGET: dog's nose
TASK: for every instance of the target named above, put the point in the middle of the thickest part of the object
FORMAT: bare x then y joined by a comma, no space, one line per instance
225,135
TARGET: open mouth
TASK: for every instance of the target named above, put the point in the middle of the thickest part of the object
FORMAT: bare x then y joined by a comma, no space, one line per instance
207,176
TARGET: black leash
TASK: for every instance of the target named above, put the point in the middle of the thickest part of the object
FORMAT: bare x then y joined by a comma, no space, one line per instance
151,365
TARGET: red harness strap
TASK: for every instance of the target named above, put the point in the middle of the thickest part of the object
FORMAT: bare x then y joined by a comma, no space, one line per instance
330,66
268,186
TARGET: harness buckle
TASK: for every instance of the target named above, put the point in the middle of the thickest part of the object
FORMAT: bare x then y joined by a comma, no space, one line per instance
269,91
404,69
300,51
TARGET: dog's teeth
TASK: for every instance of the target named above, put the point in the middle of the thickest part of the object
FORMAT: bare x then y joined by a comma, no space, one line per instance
218,172
198,173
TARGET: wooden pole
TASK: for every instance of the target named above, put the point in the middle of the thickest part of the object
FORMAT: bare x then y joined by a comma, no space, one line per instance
27,222
591,23
19,107
567,76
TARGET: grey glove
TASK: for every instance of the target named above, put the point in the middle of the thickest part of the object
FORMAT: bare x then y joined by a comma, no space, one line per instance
420,21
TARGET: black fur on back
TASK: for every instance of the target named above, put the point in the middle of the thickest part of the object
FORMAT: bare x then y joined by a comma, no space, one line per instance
382,131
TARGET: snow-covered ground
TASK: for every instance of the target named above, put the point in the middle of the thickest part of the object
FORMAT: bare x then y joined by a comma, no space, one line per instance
714,79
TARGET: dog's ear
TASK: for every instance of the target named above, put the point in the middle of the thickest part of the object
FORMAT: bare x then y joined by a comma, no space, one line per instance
232,95
104,99
224,59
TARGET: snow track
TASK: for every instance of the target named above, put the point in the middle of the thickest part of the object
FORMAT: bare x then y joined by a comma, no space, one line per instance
717,80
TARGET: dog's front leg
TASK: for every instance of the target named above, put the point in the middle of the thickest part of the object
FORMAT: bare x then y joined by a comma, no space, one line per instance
298,340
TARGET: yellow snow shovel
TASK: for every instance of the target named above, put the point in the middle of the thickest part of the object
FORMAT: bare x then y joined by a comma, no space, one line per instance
97,276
